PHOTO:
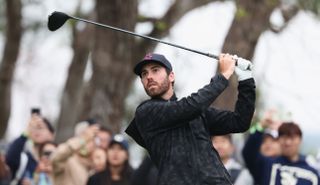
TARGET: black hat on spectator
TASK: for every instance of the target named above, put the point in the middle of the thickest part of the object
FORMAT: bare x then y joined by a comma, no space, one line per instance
119,139
49,125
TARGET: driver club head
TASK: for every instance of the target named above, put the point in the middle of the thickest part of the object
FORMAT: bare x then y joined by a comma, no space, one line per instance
56,20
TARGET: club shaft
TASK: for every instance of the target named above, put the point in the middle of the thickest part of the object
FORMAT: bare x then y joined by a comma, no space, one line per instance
146,37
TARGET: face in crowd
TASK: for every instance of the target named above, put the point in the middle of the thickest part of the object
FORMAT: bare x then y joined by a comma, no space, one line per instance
156,79
117,155
270,146
223,145
39,131
290,137
99,159
46,151
104,138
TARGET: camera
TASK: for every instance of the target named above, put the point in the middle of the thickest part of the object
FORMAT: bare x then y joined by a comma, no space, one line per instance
35,111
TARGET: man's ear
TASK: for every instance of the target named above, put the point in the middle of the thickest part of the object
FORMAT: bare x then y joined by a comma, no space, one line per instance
171,76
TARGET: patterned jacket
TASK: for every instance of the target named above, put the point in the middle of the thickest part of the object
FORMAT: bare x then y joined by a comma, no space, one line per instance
177,133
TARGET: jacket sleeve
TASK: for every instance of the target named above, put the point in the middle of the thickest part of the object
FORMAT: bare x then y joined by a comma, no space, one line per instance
162,115
224,122
64,152
251,154
14,152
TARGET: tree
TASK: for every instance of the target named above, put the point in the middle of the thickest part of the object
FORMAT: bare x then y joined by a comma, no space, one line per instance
252,18
114,54
113,57
7,66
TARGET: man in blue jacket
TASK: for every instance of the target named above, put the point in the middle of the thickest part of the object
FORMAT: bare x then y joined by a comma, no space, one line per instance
177,133
22,155
289,168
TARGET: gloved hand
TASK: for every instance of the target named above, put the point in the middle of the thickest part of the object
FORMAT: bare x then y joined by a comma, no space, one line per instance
243,68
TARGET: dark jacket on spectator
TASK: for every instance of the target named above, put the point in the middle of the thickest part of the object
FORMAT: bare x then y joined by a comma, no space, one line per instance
278,170
104,178
177,133
13,158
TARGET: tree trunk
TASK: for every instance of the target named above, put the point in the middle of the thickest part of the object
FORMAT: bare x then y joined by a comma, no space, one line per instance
112,73
73,90
114,56
251,20
7,66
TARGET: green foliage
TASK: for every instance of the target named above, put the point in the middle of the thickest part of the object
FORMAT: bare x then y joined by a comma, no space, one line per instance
272,3
141,18
241,13
160,25
2,15
312,5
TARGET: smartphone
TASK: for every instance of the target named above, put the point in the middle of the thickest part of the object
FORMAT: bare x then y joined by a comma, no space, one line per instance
35,111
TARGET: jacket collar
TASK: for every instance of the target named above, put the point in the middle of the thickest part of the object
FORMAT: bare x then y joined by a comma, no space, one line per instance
173,98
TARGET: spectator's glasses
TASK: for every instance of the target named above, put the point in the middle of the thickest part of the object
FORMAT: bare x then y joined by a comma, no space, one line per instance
46,153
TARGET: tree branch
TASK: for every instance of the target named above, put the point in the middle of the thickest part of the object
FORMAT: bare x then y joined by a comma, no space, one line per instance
287,12
162,26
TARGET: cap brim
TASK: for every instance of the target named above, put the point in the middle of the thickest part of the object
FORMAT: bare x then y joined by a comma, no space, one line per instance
138,68
119,143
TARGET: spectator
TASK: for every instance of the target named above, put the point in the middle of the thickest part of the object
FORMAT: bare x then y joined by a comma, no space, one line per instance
118,170
266,133
225,148
288,168
72,159
5,175
104,136
269,124
23,154
99,159
270,145
43,173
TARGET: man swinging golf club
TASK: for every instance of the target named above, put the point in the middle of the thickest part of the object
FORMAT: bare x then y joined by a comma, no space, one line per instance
177,133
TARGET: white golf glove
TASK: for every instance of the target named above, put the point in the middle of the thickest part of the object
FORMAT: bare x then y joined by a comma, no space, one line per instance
243,68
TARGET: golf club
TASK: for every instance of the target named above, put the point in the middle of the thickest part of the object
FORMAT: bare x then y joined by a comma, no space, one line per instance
57,19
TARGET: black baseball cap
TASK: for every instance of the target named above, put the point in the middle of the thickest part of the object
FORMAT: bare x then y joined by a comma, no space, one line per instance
152,57
120,140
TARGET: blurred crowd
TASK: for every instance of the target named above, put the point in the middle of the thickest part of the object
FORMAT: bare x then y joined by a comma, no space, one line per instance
97,156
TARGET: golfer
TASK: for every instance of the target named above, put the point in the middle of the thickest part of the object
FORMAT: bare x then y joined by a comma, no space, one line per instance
176,133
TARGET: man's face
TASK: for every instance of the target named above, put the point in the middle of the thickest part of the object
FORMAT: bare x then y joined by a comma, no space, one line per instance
270,147
223,146
104,139
155,79
290,145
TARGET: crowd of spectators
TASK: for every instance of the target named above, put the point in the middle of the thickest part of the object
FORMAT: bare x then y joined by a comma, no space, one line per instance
94,155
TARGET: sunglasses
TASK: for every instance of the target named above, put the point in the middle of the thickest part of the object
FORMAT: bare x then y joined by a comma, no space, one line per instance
46,153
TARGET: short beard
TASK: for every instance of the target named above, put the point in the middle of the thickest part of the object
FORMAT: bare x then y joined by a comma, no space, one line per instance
158,93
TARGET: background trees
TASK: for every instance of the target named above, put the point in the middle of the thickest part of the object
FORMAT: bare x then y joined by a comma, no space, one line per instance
112,55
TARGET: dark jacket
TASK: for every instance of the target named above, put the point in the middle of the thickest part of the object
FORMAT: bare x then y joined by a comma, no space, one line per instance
13,158
177,133
277,170
104,178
